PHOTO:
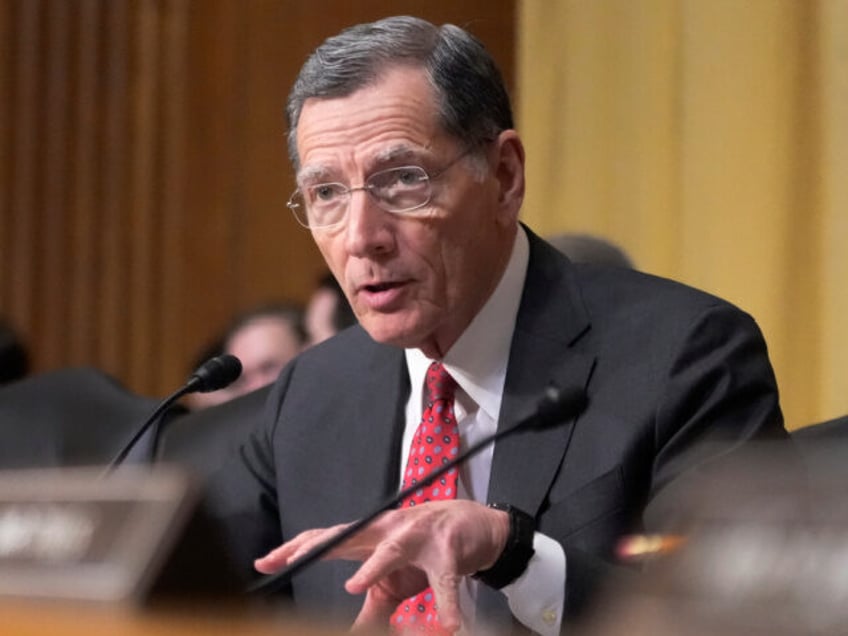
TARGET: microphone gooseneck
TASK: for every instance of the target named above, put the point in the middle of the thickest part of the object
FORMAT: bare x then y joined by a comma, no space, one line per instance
555,406
216,373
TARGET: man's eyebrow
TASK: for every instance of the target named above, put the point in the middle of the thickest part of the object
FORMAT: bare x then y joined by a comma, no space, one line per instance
322,174
395,153
313,174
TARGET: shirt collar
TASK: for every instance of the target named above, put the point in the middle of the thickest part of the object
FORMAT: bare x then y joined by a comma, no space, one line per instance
478,359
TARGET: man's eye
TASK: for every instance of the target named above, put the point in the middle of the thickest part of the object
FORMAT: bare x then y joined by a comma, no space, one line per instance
399,178
409,177
325,192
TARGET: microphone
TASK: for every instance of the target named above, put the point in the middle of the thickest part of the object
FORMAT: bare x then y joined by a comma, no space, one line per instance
556,405
216,373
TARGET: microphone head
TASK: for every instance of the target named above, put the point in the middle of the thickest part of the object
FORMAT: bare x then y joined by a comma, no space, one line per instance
558,404
216,373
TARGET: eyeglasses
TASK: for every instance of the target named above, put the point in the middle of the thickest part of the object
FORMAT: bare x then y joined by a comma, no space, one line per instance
399,190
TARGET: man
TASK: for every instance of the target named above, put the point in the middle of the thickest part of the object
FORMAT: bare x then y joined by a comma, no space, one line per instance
411,177
264,339
327,311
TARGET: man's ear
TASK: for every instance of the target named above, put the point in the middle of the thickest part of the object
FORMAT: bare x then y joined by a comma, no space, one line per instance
509,172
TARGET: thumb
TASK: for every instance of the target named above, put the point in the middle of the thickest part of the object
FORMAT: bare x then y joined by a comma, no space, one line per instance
376,611
446,590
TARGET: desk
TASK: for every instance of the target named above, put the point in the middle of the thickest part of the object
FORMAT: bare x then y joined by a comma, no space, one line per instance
34,618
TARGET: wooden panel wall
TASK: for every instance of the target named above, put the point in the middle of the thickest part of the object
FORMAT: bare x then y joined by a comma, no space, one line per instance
143,172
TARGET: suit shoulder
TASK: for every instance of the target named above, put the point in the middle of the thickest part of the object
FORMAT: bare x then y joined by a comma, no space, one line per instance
635,289
658,314
603,293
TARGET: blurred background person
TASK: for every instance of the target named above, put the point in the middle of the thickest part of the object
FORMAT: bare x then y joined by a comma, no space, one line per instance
265,339
327,311
589,248
14,358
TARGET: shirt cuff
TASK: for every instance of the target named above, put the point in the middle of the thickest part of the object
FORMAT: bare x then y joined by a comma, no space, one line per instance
537,597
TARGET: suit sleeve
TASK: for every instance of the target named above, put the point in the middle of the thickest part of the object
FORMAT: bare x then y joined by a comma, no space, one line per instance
720,394
716,394
242,492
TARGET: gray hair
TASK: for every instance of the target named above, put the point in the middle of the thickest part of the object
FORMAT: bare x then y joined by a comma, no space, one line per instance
472,99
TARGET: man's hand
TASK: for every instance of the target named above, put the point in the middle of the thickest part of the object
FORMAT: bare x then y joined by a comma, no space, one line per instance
405,551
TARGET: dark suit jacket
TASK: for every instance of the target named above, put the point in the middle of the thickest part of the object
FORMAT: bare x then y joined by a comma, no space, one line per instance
72,417
201,440
665,368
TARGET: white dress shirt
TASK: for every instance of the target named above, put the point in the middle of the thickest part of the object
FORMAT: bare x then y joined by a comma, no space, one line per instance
478,361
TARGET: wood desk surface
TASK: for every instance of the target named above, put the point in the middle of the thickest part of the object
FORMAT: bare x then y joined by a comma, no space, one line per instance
35,618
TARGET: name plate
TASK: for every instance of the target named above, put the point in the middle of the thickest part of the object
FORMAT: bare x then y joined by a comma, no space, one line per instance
74,534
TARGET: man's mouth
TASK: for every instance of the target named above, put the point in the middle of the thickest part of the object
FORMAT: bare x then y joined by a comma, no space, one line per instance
380,287
383,296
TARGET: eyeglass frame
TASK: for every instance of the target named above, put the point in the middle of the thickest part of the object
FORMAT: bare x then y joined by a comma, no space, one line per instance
348,191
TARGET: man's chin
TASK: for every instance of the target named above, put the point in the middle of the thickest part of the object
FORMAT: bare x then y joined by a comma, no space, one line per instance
389,332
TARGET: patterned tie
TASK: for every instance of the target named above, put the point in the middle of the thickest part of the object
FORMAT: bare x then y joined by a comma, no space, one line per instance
436,441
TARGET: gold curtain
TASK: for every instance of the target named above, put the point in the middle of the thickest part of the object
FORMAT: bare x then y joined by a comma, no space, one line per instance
709,138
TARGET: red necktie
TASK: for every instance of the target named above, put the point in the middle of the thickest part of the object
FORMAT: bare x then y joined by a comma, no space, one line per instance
436,441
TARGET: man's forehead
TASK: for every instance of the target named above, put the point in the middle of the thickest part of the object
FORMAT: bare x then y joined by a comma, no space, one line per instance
398,106
318,170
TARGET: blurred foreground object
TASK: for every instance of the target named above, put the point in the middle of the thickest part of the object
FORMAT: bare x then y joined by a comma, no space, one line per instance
131,554
71,417
134,537
766,552
34,619
815,436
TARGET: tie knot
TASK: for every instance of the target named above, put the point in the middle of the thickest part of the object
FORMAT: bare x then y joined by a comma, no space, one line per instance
438,383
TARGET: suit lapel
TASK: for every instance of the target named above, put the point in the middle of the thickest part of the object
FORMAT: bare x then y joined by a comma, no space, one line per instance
551,318
373,445
352,467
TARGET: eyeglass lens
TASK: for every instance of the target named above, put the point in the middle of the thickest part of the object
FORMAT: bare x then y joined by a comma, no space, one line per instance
400,189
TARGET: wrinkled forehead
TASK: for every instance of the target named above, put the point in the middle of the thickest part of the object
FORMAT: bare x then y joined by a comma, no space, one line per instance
318,172
409,80
386,124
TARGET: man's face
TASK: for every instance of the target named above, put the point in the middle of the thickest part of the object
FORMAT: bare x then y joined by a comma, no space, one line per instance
416,280
264,346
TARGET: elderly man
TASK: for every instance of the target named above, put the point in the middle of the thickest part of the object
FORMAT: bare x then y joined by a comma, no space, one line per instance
410,178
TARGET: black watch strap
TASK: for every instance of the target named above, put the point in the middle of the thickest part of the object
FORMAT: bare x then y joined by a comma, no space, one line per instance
516,554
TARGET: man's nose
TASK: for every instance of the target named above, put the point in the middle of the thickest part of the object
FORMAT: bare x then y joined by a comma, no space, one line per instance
369,227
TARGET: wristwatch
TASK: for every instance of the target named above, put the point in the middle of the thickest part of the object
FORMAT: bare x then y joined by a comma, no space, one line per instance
516,554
